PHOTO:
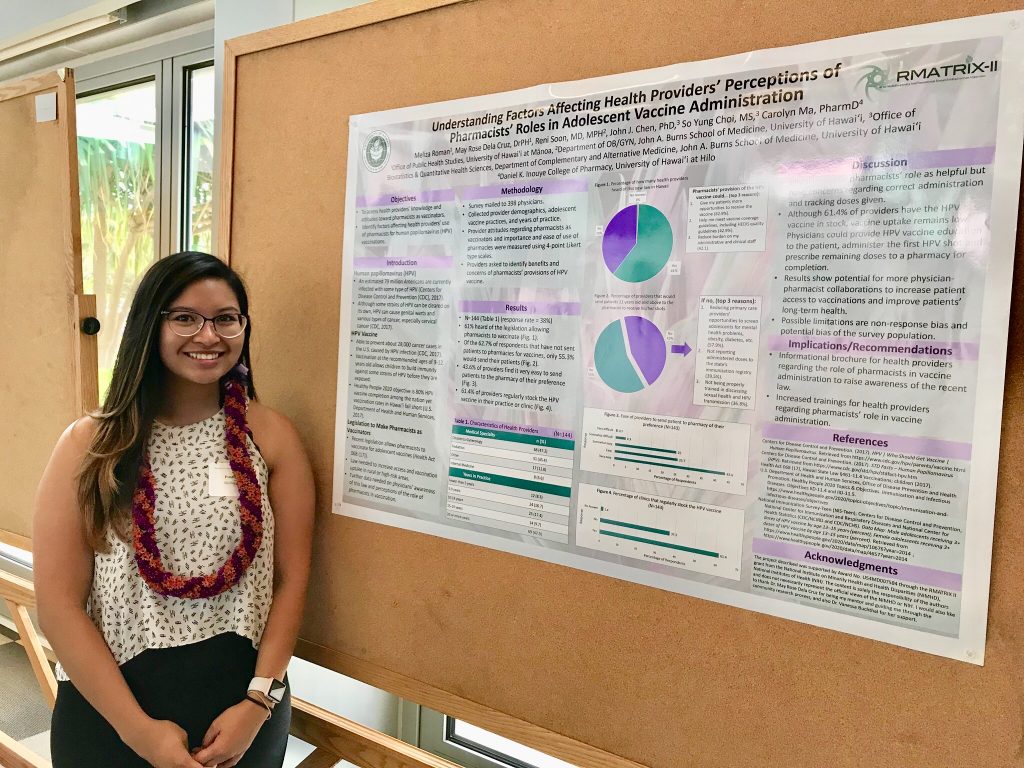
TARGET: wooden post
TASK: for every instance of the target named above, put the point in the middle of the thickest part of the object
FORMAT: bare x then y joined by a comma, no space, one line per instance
13,755
320,758
338,738
34,649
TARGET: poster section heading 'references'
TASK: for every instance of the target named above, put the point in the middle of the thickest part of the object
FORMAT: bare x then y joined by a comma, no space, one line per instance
715,328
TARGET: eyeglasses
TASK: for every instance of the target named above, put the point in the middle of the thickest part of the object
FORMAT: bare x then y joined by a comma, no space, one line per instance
187,323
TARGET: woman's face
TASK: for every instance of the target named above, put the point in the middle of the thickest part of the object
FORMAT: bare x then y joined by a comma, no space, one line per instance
205,357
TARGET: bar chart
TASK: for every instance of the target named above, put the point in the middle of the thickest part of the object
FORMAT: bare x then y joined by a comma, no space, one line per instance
710,455
698,537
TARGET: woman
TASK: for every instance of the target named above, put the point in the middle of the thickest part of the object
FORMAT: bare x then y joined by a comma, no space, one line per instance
171,541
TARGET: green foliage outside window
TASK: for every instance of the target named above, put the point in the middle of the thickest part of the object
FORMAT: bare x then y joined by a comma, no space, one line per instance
201,186
117,182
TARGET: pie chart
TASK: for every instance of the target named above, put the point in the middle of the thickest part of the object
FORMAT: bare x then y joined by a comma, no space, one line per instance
637,243
630,354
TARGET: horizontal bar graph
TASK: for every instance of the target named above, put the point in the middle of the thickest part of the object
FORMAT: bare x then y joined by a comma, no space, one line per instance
648,448
684,534
679,547
634,526
691,453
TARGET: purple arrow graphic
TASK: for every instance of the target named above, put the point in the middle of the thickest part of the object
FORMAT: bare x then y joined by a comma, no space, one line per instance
681,349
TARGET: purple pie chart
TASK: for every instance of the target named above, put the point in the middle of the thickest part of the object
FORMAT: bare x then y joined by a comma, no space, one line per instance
637,243
630,354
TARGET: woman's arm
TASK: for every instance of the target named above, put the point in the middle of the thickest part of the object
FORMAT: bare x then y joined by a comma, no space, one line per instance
62,564
292,499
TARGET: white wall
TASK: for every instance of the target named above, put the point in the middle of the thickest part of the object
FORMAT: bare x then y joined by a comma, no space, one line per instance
23,20
234,18
304,9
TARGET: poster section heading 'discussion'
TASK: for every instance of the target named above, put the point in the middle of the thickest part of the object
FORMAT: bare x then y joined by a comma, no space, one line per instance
735,328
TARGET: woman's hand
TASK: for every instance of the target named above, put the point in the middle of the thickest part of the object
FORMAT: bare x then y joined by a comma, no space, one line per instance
231,734
163,744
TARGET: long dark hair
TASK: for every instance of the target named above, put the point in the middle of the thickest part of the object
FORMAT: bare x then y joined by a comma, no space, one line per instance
109,470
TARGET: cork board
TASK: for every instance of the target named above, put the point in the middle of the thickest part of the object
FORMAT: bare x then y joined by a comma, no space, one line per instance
47,366
598,671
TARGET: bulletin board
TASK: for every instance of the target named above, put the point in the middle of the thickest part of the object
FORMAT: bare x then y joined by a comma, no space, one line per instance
49,365
597,671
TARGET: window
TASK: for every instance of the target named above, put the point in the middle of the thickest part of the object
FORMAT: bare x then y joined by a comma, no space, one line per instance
145,161
19,557
197,192
474,747
117,176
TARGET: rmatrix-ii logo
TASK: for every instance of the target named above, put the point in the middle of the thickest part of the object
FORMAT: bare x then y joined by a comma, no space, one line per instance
876,79
967,69
376,151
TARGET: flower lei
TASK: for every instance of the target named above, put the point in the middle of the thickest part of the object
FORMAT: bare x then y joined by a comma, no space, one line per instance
250,510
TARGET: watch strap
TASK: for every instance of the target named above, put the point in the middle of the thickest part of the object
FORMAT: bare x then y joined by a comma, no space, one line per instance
272,688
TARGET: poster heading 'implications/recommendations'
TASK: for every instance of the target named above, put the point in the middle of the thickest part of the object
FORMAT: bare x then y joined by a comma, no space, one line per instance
732,328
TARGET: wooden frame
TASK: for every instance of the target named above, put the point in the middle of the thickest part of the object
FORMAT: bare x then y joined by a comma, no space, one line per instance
14,755
570,750
360,16
85,362
338,738
58,206
63,80
19,596
16,540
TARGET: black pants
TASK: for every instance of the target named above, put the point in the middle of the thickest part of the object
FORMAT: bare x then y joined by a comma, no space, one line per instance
189,685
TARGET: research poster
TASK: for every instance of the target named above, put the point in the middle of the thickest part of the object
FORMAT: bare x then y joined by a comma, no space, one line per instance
734,328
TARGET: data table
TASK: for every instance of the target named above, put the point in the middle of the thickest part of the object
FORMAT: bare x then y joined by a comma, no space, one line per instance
509,480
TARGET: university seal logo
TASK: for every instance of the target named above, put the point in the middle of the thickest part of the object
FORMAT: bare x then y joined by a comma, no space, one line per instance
376,151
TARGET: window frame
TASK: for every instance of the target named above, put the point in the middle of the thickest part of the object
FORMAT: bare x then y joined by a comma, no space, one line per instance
166,63
181,137
434,732
124,78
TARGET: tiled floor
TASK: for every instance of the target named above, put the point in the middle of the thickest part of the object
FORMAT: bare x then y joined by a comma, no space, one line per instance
24,714
40,744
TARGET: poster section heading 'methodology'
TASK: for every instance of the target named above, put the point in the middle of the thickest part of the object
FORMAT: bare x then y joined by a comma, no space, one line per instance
733,328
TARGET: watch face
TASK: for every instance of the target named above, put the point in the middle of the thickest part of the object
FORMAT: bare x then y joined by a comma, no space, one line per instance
277,689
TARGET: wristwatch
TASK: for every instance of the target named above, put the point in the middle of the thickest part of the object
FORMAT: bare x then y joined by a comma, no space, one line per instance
269,691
